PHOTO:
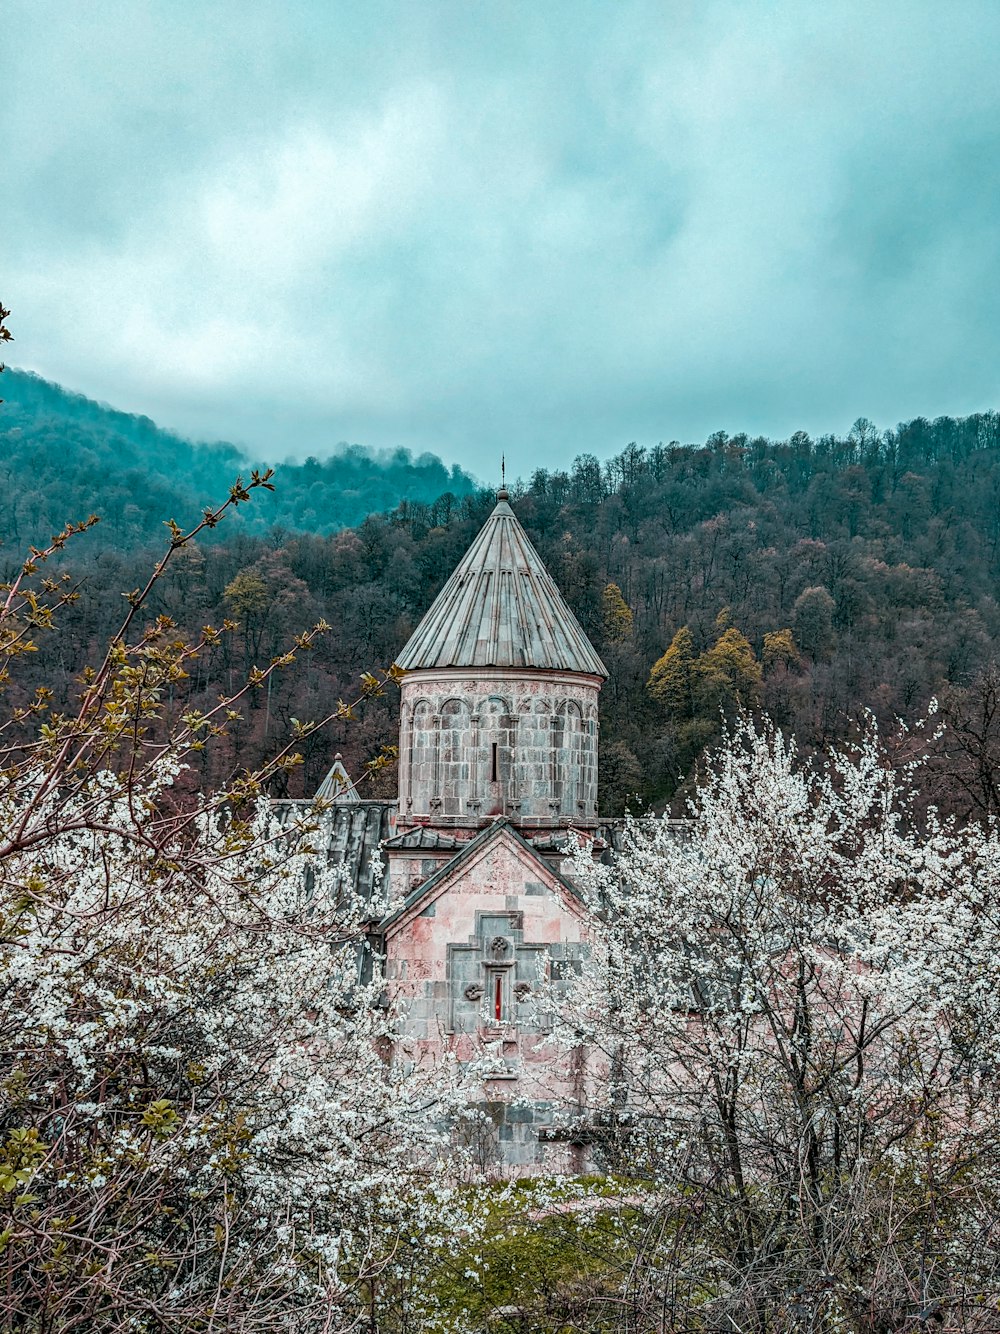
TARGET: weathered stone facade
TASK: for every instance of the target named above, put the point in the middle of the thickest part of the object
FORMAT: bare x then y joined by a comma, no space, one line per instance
467,953
497,763
478,743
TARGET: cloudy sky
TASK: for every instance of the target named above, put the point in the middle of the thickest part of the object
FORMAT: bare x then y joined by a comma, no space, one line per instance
547,227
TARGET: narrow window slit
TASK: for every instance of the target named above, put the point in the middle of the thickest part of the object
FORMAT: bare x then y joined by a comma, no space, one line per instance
493,763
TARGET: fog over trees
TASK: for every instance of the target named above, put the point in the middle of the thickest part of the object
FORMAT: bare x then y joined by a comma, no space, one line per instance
63,454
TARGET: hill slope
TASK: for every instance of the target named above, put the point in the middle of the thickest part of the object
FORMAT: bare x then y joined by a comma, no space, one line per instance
813,578
63,456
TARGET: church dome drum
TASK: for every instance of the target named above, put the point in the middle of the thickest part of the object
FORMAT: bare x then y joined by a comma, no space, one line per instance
499,697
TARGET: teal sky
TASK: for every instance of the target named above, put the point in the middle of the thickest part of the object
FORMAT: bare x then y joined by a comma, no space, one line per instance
548,227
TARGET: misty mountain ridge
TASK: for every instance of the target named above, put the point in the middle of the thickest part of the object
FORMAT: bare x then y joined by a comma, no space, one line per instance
64,456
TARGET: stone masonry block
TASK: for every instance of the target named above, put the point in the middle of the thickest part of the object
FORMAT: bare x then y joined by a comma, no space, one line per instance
521,1114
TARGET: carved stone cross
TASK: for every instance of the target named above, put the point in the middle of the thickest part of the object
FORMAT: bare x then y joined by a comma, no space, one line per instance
492,976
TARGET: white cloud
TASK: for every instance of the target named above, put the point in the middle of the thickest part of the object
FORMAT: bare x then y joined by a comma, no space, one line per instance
549,228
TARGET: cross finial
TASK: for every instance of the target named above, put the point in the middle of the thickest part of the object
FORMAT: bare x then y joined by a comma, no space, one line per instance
503,494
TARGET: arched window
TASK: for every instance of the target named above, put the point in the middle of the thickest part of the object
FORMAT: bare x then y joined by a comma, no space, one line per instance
494,760
405,751
453,762
568,739
591,727
533,758
423,756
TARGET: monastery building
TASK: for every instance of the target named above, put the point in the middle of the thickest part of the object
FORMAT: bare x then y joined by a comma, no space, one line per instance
498,753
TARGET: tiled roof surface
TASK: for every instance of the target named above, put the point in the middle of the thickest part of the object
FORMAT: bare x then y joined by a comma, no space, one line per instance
501,608
351,834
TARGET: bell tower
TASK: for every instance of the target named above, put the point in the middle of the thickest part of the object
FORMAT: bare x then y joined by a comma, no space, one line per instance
499,697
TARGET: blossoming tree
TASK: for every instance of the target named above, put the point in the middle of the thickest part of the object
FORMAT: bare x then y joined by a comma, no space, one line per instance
197,1127
797,1000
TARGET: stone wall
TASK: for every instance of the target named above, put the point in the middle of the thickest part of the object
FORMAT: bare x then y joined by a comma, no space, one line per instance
471,967
478,744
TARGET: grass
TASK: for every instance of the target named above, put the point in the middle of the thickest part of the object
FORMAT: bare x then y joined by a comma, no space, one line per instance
542,1254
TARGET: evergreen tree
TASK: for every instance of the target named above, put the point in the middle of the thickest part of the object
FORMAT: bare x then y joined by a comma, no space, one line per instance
672,678
616,616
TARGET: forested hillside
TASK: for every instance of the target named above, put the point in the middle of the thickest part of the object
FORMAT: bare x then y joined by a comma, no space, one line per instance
811,578
62,454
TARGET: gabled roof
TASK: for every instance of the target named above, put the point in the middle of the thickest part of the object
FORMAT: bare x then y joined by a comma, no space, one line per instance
501,608
436,884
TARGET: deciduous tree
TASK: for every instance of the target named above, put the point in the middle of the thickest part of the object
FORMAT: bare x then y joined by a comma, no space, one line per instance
796,1003
198,1128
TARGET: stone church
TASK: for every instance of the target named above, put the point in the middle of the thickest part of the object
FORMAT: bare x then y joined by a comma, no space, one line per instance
498,750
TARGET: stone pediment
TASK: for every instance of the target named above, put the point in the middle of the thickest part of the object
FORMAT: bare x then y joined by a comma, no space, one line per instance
496,857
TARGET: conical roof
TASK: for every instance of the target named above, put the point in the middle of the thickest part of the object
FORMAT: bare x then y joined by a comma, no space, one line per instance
337,786
501,608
